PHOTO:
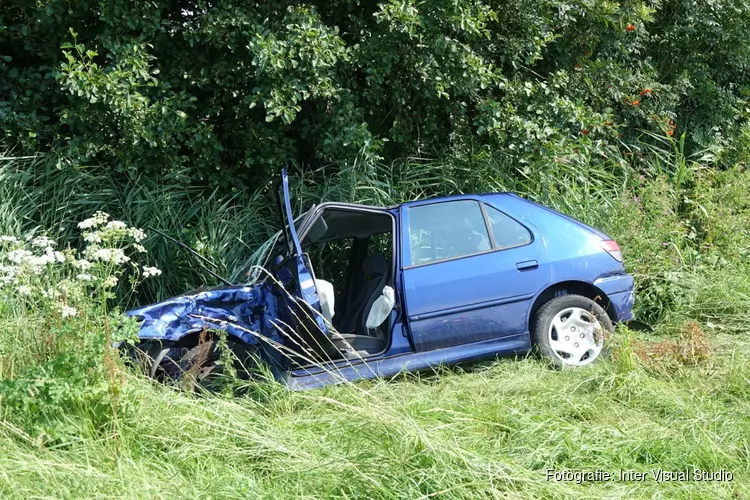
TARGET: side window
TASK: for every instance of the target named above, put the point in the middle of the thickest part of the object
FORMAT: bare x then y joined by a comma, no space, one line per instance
507,232
446,230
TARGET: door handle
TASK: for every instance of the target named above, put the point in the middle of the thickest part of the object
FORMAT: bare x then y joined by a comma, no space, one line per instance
527,265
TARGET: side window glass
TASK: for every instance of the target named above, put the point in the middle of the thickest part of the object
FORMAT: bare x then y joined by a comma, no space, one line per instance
507,232
446,230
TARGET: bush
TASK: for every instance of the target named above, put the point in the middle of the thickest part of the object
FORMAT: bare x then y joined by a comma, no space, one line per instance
224,93
56,327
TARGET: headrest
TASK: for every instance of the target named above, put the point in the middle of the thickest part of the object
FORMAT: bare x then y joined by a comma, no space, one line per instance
375,265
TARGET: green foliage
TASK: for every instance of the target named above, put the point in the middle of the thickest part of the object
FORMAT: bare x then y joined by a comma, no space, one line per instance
225,92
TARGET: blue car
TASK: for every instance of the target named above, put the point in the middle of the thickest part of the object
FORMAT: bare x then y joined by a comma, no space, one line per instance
352,292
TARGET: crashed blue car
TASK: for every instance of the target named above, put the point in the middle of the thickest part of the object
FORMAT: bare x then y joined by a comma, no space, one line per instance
352,292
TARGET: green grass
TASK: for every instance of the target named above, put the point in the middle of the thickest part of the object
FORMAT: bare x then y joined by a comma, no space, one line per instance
489,432
74,424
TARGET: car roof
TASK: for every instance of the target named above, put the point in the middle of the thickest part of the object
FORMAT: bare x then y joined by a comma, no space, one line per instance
419,201
439,199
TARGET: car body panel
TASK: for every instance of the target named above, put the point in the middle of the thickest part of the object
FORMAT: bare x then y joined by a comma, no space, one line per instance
390,366
304,283
244,309
496,287
448,311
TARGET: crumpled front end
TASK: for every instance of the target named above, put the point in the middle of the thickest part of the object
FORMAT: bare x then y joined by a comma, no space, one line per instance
242,311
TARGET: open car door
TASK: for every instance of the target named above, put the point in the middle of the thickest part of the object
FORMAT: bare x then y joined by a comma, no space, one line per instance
305,308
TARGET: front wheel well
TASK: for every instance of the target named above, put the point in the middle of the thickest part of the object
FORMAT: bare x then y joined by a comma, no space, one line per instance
192,339
572,288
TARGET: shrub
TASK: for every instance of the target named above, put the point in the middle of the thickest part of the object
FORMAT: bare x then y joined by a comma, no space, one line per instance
57,328
224,93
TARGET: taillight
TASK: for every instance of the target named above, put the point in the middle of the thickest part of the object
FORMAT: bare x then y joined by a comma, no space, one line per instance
612,248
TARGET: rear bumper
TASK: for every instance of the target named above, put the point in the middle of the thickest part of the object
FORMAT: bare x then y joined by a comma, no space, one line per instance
619,291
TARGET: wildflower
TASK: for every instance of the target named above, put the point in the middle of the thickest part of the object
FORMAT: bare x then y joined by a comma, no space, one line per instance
577,67
102,254
113,255
137,234
665,244
110,282
140,248
42,241
630,27
585,131
69,311
84,277
115,224
23,290
96,220
642,177
646,91
50,293
83,265
150,271
670,132
635,102
92,237
587,53
19,256
8,239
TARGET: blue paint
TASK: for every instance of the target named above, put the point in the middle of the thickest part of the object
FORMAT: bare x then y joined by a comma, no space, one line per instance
447,311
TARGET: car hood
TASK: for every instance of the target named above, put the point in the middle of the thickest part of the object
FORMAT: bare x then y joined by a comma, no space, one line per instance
241,310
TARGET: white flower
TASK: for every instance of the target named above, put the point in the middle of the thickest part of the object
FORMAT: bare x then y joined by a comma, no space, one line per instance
60,257
102,254
69,311
8,274
8,239
137,234
83,265
42,241
113,255
92,237
23,290
84,277
37,262
50,293
150,271
110,282
139,248
19,256
96,220
116,224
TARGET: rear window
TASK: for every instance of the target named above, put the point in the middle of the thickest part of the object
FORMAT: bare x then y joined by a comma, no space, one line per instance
507,232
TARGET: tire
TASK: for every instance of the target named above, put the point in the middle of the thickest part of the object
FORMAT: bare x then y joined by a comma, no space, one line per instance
571,330
199,367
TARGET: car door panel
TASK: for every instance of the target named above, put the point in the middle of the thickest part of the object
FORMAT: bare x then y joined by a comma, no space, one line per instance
472,298
304,307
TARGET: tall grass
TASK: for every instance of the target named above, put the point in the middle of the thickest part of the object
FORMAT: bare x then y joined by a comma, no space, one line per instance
489,433
74,425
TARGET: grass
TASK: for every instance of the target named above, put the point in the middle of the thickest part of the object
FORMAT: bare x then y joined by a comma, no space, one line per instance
489,432
74,424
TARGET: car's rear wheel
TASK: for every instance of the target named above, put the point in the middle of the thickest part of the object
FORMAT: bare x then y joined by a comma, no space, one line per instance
570,330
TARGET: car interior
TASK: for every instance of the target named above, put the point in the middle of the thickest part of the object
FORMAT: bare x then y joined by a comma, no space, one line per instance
350,253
